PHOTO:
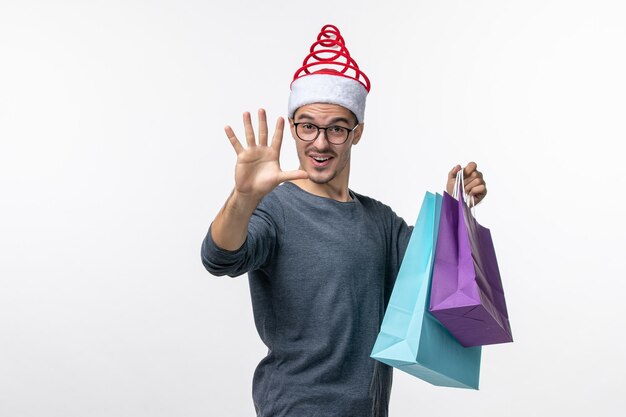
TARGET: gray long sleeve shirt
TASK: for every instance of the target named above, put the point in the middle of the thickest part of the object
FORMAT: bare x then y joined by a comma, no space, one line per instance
320,273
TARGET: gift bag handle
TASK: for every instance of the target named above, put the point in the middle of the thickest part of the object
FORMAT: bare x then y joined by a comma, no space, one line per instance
459,193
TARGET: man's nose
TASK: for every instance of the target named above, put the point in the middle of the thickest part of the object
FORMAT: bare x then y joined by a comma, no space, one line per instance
321,141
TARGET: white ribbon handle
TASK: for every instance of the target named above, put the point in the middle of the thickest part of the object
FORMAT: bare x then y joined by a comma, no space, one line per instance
455,193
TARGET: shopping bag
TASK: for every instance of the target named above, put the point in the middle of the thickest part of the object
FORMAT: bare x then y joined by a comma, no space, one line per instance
410,338
467,295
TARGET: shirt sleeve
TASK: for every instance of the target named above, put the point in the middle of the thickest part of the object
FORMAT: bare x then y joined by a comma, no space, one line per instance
257,249
400,233
403,234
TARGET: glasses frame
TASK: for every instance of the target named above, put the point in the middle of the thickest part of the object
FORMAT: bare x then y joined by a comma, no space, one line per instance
319,128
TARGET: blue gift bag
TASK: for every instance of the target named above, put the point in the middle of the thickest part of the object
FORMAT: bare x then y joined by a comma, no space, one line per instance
410,338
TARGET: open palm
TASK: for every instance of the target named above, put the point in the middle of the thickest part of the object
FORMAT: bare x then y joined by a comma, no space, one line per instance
258,166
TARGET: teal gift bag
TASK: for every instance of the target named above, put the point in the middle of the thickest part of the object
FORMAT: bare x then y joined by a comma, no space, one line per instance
410,338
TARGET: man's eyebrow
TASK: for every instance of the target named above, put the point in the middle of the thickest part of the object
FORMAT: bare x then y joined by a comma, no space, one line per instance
331,122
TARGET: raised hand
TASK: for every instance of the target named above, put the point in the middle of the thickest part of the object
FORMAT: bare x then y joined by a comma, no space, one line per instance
474,183
258,167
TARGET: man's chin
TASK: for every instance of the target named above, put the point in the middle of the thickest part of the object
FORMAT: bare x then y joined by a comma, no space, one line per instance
320,179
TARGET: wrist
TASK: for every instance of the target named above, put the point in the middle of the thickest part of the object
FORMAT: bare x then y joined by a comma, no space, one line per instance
243,203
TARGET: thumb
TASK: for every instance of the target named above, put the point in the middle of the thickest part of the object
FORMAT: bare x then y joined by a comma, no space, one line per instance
453,172
297,174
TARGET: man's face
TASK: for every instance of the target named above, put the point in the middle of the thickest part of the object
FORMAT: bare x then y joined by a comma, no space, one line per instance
322,160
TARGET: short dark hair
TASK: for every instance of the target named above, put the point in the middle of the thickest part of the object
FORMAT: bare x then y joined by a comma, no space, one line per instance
356,121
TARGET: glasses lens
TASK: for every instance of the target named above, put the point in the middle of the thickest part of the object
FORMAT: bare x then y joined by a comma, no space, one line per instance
337,134
306,131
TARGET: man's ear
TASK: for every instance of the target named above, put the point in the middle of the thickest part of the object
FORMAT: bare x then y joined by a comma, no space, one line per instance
357,133
291,128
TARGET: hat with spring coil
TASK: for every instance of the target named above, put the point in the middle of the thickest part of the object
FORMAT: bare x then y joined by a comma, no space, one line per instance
329,75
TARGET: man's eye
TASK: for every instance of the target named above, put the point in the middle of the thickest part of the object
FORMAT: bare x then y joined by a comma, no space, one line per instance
307,126
336,129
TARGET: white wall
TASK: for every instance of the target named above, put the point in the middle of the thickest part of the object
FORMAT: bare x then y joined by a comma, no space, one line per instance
113,162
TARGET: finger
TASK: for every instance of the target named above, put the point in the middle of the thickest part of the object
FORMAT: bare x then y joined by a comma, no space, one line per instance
470,185
474,175
479,192
277,139
262,128
298,174
471,167
233,139
453,172
247,124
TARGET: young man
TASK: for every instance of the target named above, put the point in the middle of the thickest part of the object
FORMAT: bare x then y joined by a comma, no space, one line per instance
321,259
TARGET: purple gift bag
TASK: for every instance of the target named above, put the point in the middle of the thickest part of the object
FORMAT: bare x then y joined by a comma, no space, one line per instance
466,290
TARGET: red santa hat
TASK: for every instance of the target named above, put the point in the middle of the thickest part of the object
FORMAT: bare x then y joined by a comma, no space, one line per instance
329,75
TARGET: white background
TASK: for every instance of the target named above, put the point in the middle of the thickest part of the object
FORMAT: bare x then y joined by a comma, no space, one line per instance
113,162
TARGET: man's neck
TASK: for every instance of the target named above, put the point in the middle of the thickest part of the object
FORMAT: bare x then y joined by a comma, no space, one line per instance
336,191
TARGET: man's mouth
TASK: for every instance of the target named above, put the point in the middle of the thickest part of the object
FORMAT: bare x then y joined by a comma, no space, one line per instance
319,160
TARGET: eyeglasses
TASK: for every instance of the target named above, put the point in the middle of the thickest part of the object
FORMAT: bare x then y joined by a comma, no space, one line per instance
336,135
